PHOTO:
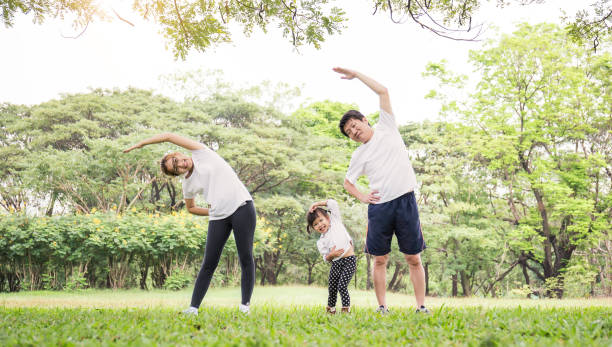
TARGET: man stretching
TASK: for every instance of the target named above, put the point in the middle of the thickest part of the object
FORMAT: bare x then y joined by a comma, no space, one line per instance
392,209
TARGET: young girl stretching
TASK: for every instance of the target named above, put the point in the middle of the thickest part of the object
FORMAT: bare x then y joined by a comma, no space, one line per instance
336,246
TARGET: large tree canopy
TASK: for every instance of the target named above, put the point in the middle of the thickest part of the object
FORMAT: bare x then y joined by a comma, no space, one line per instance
191,24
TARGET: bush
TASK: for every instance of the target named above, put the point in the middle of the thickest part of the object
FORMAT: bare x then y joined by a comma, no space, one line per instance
178,280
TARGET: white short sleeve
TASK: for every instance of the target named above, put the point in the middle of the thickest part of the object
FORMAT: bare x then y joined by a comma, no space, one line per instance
386,120
356,168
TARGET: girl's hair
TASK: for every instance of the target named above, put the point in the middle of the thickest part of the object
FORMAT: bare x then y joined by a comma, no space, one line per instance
164,168
311,216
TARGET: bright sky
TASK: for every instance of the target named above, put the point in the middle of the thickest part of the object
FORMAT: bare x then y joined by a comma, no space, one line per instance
38,64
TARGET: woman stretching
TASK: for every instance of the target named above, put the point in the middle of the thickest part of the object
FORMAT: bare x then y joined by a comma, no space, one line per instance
231,207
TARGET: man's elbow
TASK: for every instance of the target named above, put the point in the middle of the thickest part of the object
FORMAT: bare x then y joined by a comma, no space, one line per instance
347,184
383,91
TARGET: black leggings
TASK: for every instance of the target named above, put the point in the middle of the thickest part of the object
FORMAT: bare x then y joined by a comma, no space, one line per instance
243,222
339,277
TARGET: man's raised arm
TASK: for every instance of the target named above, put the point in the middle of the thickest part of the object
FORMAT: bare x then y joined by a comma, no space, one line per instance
379,89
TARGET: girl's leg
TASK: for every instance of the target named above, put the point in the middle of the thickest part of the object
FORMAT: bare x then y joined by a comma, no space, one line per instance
349,265
334,277
218,232
243,223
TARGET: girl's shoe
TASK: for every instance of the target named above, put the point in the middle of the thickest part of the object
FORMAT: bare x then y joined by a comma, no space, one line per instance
330,310
346,309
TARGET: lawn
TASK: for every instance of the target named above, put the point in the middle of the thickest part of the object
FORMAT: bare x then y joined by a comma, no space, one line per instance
295,316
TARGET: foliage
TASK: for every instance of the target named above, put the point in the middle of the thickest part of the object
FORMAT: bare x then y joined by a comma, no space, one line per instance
538,125
200,25
103,248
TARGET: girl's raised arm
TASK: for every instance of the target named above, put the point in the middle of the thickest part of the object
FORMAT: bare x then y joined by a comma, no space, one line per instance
317,204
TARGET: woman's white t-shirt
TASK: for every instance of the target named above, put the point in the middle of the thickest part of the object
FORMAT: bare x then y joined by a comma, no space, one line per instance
385,161
336,235
217,182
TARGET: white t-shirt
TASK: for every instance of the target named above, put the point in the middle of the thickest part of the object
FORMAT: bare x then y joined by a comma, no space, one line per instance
336,235
384,160
217,182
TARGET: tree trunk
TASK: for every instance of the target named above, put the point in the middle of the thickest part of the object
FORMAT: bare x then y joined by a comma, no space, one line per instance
454,280
398,267
465,284
144,273
49,212
369,284
426,268
525,273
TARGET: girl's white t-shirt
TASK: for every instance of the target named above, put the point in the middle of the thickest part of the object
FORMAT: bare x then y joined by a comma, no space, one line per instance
217,182
385,161
336,235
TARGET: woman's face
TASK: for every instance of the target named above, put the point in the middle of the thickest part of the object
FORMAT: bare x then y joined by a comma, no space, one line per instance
321,223
179,163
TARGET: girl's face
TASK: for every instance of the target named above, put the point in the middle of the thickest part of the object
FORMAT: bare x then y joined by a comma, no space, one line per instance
321,223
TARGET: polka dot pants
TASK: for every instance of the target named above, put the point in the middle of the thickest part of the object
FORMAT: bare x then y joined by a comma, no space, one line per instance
340,274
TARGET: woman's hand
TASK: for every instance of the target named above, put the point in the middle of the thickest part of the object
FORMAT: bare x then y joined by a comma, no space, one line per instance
138,145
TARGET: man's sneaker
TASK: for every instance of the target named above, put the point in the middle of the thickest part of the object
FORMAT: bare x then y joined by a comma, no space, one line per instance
244,309
191,311
422,309
382,310
330,310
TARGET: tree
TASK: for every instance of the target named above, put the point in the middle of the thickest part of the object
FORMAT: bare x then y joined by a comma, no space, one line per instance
199,25
538,119
191,24
456,20
276,238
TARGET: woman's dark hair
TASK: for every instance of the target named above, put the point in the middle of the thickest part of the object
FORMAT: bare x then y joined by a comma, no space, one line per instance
351,114
311,216
164,168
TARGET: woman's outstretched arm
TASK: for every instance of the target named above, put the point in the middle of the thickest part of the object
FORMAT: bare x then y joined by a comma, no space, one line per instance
168,137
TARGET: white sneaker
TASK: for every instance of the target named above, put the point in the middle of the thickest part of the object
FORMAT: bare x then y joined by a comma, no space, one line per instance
191,311
422,309
244,309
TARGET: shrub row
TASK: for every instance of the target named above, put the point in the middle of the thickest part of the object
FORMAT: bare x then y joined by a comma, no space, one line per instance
97,250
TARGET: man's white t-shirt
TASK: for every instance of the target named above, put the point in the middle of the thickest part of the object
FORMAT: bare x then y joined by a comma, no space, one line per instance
217,182
336,235
384,160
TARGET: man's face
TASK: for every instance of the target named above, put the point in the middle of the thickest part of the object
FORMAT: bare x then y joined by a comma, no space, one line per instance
358,130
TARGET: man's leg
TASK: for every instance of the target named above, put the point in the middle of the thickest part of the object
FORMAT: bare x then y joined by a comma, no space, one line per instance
379,273
417,276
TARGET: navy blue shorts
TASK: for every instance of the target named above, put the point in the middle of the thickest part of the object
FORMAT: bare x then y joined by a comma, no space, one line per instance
399,216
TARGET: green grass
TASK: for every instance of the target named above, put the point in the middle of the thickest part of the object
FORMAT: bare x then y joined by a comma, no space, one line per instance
295,316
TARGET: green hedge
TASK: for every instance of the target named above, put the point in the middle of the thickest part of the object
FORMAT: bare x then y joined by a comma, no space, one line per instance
97,250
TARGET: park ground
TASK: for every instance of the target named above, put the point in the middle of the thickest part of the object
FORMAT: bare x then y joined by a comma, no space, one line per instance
294,316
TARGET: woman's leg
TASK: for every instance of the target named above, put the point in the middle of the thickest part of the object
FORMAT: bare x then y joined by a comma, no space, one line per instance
348,270
243,223
218,232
